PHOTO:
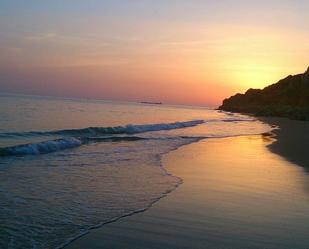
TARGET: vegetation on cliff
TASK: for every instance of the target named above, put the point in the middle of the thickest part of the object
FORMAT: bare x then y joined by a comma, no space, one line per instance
287,98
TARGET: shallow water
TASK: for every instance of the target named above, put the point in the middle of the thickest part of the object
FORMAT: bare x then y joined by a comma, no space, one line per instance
69,165
247,197
236,194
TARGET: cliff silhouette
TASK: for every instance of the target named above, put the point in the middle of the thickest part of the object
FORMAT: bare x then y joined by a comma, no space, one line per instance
287,98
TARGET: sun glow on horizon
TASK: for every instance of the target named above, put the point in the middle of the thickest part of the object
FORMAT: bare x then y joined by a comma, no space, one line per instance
130,52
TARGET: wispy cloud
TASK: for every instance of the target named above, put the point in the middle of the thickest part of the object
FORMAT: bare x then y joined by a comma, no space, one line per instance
41,37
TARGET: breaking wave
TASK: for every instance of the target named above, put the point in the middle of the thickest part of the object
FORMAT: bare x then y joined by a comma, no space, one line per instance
96,131
41,148
79,137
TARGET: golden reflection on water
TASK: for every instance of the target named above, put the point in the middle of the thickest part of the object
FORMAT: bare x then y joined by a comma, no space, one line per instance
238,181
235,194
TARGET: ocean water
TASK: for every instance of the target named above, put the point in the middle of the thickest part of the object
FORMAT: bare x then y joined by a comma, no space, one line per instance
68,166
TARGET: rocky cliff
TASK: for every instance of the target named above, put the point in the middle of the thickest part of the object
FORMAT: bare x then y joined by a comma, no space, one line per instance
287,98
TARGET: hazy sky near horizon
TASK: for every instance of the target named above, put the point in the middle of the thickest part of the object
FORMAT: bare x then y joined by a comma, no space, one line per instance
175,51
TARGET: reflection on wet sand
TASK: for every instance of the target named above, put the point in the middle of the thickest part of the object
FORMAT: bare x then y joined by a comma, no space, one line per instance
235,194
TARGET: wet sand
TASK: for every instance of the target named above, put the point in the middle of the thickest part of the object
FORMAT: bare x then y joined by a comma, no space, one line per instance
292,140
236,193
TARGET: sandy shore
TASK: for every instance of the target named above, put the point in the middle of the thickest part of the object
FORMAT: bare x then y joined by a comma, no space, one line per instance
292,140
236,194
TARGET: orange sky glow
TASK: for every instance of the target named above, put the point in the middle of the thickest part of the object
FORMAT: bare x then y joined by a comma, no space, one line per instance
161,54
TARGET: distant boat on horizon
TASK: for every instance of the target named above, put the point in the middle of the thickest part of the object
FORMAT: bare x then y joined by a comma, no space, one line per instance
151,103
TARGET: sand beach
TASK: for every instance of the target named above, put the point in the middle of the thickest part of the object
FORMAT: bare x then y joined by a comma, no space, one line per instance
239,192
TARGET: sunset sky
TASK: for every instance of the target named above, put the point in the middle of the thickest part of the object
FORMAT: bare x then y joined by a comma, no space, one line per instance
174,51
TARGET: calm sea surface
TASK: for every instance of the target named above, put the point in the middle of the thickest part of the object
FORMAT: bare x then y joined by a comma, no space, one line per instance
67,166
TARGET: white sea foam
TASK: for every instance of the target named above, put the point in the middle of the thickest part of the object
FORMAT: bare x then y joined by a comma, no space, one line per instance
94,131
133,129
82,137
41,148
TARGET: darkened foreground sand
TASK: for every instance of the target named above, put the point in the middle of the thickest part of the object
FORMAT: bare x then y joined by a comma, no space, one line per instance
292,140
235,194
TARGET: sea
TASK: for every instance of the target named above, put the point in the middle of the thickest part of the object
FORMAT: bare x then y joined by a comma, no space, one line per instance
68,166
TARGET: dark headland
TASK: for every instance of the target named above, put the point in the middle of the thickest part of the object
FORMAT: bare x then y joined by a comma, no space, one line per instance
287,98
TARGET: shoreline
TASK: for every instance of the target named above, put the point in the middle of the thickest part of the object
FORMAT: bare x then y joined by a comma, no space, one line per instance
292,139
166,223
